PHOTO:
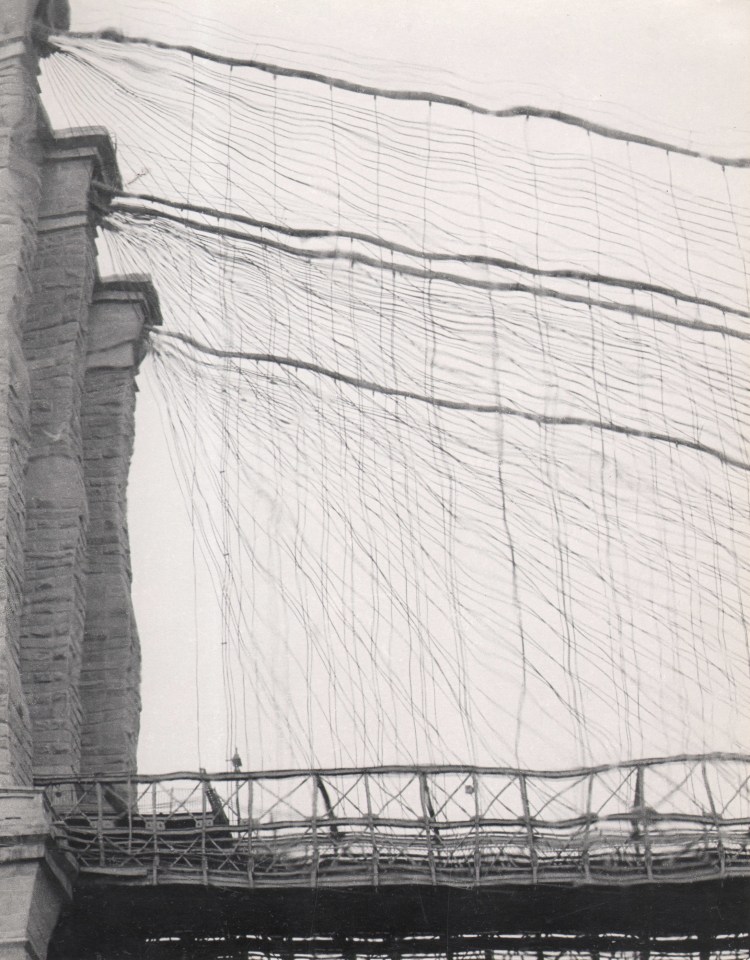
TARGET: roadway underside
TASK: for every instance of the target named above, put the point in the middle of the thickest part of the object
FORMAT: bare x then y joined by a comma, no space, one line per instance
111,920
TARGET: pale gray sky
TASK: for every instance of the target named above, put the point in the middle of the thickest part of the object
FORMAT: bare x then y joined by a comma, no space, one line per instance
678,69
682,64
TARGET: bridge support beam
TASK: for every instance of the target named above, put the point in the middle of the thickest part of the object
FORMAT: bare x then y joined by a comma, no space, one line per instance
35,879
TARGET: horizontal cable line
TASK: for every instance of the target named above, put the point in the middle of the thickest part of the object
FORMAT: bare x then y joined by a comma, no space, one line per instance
423,96
461,405
415,769
314,233
439,275
488,823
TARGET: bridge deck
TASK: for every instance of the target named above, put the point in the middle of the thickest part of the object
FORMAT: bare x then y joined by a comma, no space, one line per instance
676,820
630,860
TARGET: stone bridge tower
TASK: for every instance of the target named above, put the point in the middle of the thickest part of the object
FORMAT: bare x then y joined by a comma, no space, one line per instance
70,346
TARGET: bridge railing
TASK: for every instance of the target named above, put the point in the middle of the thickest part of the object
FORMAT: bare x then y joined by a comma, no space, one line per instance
669,819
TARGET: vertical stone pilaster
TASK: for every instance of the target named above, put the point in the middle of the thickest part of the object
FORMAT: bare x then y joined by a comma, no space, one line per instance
55,342
47,272
122,311
19,200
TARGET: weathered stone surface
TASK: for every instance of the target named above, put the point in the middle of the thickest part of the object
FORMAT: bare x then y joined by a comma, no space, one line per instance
110,676
56,383
19,202
55,344
35,881
52,383
69,418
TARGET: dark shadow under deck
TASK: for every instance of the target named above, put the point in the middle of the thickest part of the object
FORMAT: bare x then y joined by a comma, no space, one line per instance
396,921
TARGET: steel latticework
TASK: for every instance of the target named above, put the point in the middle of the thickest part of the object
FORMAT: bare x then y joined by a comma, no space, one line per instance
673,820
643,858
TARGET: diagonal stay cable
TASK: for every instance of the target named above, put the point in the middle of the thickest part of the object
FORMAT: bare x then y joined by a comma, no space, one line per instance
315,233
353,258
446,404
384,93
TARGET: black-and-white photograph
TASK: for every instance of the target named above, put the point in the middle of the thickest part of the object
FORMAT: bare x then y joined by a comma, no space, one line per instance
374,480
